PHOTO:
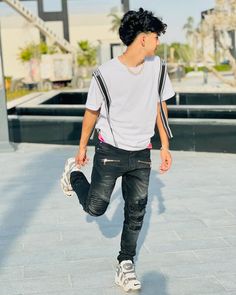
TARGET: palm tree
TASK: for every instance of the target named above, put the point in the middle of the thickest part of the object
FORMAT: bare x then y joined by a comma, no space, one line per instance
116,20
189,28
191,36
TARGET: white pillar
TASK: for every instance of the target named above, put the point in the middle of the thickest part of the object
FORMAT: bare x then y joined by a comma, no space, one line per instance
5,145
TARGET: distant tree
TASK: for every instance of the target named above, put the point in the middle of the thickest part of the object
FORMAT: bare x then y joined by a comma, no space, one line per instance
115,22
191,37
163,51
183,52
189,28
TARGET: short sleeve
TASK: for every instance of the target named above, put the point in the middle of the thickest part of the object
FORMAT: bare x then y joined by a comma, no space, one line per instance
168,90
94,98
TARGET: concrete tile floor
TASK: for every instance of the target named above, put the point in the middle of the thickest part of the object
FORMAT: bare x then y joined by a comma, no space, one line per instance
48,246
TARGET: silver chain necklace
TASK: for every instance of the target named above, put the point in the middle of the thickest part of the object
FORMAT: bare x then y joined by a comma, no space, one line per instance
130,69
136,72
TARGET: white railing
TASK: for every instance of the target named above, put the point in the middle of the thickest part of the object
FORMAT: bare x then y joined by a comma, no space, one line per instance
40,24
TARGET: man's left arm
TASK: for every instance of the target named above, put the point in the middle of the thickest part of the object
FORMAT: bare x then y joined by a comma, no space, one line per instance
165,154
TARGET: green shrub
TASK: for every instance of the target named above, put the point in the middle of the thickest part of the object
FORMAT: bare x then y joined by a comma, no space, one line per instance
223,68
33,50
188,69
202,69
87,54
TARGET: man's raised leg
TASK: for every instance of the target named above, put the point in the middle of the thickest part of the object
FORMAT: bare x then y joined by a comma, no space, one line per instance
94,197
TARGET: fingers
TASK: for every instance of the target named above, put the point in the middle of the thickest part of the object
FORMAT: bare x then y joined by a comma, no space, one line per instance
84,161
81,161
166,161
163,169
165,166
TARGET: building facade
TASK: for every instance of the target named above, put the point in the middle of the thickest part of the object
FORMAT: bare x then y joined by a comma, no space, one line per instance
17,32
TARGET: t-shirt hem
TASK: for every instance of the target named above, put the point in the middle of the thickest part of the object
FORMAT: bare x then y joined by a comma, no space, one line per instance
91,107
168,97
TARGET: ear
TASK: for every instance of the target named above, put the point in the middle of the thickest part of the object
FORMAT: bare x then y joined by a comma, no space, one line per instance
142,39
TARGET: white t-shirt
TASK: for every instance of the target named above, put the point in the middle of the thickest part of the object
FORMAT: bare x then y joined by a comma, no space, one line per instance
134,99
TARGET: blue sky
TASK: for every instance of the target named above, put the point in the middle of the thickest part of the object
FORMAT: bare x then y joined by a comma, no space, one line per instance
173,12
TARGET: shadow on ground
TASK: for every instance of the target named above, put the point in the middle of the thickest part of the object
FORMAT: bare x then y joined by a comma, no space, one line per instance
153,283
25,190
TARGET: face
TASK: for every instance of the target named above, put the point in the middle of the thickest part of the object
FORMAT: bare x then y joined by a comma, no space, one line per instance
150,43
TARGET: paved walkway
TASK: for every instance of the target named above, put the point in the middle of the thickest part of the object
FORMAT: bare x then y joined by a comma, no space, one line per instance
48,246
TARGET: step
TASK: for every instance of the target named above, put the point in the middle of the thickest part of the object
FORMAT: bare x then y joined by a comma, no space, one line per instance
180,111
209,135
204,99
202,111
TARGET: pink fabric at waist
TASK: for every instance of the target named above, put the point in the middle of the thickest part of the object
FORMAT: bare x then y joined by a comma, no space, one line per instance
102,140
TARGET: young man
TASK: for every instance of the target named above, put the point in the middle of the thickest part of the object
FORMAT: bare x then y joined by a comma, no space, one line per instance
123,101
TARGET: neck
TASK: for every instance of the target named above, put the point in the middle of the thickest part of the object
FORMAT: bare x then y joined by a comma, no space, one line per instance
132,57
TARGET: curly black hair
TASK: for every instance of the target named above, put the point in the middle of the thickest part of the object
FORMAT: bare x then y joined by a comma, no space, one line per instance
141,21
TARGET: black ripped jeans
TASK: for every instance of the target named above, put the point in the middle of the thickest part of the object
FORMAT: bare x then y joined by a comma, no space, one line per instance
109,164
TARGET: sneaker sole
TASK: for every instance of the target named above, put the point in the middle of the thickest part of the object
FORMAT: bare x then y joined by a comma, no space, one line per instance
118,283
65,182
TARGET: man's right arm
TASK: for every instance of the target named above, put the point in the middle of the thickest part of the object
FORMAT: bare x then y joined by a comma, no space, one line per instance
89,121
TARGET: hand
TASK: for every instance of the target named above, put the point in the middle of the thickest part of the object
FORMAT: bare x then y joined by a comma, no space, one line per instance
166,160
81,158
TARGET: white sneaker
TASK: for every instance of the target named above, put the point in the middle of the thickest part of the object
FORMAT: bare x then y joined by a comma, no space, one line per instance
65,179
126,276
